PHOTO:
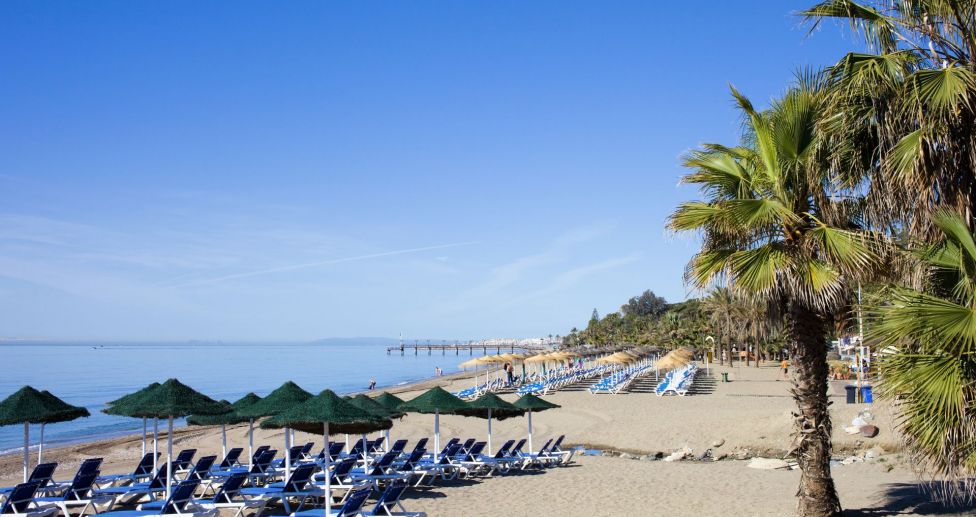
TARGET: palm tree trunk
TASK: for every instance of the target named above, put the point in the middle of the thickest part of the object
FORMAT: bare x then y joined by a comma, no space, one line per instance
817,496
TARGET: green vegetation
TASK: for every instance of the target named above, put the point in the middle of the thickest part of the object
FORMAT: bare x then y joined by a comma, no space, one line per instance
859,175
645,320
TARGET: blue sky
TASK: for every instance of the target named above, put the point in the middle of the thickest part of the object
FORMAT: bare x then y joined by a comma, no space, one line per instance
255,170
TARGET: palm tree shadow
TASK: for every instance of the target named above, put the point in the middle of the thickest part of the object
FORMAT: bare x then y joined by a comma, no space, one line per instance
915,499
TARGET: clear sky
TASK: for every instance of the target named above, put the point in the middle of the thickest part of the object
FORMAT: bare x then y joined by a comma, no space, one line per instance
295,170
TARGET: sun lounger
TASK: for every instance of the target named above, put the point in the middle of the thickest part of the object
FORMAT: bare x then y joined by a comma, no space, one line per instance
142,471
20,502
42,475
232,459
295,487
389,502
180,502
351,507
135,491
228,497
78,495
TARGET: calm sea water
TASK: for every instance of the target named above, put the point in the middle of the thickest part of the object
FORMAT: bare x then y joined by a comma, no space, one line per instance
90,374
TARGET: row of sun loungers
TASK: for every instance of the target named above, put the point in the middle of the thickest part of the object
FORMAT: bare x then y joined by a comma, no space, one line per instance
620,380
203,488
477,391
561,378
678,381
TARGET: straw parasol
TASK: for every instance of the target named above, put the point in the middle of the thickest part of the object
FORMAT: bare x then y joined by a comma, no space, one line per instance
29,406
130,396
67,411
171,399
471,363
436,401
538,358
389,401
674,359
230,418
532,404
491,406
370,405
328,413
278,401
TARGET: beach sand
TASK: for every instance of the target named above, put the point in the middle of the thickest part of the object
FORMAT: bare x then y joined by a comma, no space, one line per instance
750,416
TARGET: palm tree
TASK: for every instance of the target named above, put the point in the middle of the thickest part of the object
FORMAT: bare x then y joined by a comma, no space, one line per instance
755,311
770,228
721,307
904,114
930,372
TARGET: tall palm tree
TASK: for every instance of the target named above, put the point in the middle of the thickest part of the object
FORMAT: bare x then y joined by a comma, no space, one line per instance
929,365
757,317
721,307
769,227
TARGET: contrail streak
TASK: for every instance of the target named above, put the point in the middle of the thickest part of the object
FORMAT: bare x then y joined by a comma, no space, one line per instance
294,267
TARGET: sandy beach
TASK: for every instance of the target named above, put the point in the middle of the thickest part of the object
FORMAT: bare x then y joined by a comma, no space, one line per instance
747,417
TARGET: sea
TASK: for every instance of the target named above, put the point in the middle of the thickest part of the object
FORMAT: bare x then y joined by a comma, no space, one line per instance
92,373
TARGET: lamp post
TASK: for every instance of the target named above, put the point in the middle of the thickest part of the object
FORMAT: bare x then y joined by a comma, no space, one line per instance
707,339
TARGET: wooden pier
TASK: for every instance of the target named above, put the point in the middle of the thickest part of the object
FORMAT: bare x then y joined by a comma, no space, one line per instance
457,348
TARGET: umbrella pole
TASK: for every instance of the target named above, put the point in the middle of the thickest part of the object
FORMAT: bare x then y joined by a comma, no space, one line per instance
365,453
143,436
155,443
169,458
223,439
388,443
287,454
347,444
531,450
437,435
250,443
26,448
40,447
328,475
489,432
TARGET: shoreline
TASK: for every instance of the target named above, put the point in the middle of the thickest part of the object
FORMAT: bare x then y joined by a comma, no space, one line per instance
125,437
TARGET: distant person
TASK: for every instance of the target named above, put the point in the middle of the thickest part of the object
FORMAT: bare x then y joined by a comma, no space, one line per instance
437,371
511,373
785,366
372,384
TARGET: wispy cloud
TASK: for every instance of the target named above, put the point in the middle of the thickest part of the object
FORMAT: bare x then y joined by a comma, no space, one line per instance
320,263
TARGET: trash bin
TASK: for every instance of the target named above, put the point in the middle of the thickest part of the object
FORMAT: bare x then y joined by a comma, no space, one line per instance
851,394
866,396
725,376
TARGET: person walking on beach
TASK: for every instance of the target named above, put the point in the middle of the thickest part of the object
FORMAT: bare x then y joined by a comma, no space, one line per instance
372,384
510,370
437,371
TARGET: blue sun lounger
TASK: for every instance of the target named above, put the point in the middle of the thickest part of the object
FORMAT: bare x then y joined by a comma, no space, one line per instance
351,507
20,502
78,495
296,486
143,470
180,502
43,475
389,502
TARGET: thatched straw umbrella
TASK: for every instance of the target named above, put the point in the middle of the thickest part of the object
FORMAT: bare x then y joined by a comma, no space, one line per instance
172,399
436,401
329,414
287,396
488,406
29,406
110,411
230,418
531,404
